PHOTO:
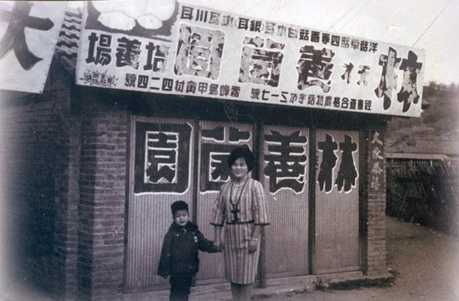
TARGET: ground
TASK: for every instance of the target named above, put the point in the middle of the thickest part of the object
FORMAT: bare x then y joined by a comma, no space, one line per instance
425,262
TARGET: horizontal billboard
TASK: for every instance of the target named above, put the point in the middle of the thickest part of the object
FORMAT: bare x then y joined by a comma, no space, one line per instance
170,47
28,35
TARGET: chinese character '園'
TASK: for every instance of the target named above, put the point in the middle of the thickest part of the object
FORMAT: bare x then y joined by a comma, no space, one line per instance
162,157
162,162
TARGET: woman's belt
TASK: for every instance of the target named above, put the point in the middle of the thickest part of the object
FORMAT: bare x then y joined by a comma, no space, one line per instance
240,222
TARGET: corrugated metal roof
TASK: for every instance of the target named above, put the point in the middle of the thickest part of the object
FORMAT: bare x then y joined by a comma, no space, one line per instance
420,156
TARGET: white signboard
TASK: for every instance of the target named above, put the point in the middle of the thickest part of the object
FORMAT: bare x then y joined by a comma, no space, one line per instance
165,46
28,35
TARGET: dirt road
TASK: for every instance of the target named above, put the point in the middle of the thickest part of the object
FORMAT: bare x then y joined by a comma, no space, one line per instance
426,263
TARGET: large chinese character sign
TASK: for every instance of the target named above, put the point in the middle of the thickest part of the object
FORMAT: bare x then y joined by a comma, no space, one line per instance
338,167
286,159
162,157
28,34
165,46
217,142
337,201
285,176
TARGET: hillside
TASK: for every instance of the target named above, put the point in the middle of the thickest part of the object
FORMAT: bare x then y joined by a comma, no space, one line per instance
436,132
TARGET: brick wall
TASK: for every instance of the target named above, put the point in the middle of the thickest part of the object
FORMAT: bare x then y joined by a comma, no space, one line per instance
375,208
41,215
103,178
30,189
67,162
67,214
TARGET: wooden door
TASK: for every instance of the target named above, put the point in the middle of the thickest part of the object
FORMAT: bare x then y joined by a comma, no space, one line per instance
337,202
285,178
160,173
216,140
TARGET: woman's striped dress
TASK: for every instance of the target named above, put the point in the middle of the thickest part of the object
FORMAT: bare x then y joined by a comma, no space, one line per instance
239,207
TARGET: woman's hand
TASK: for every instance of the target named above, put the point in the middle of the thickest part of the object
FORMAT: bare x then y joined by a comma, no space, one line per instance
253,245
218,241
219,245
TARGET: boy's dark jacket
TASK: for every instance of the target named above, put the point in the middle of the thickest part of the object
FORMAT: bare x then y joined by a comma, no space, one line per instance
179,253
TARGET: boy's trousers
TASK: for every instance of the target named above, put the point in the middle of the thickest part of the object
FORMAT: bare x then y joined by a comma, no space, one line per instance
180,287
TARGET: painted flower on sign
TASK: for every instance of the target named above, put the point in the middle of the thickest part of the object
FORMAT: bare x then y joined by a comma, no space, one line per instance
122,14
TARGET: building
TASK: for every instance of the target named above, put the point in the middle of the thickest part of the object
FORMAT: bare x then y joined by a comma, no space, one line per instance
92,179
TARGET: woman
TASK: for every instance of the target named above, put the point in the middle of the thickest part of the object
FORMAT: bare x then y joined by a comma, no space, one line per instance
241,211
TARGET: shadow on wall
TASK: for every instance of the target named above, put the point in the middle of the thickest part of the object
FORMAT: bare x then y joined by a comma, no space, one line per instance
28,165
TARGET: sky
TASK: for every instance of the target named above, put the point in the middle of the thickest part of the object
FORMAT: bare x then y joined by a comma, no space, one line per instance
427,24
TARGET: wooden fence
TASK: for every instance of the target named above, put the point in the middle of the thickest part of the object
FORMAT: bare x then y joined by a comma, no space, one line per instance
424,191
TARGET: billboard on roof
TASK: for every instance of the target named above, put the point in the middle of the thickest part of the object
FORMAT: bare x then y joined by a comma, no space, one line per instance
28,36
170,47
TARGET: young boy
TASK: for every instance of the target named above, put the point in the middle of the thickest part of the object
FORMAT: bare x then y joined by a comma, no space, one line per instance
179,253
